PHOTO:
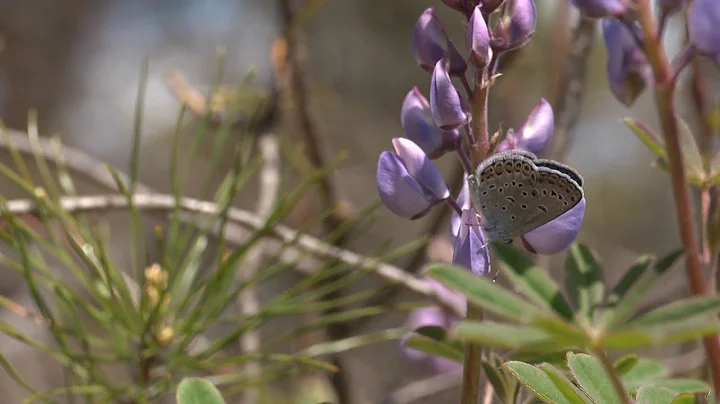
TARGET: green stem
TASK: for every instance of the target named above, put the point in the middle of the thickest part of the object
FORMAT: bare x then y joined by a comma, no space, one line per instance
614,379
664,91
472,366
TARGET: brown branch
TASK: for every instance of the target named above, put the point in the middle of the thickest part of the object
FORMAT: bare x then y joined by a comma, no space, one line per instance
570,88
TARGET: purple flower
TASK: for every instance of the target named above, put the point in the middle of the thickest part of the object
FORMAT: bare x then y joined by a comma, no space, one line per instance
471,248
463,200
432,316
601,8
535,133
417,122
478,39
445,102
517,25
704,27
627,66
408,182
557,235
431,44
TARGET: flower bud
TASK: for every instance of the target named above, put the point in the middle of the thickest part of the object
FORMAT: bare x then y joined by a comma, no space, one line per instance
446,105
478,39
516,26
408,182
418,125
464,202
601,8
535,134
704,27
431,44
628,69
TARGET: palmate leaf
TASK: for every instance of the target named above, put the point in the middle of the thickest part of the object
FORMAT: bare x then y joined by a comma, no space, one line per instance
541,384
584,281
680,310
671,333
535,283
655,395
592,378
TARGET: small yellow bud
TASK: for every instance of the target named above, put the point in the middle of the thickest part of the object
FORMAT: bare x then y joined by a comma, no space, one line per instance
153,295
165,335
156,276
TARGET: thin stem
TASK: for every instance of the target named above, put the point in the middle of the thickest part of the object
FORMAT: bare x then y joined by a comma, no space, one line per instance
664,91
453,204
479,125
465,160
614,379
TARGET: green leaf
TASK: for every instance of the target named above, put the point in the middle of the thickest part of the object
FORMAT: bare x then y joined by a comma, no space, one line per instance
683,385
499,334
650,394
193,390
681,310
644,371
625,364
436,348
483,292
685,398
584,281
647,136
532,280
671,333
634,295
693,161
538,382
566,387
592,378
561,330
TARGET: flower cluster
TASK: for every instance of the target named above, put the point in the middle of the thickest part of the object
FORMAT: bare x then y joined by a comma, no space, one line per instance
408,182
628,69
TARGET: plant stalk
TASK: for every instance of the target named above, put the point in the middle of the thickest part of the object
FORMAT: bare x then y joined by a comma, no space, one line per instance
664,91
472,365
614,379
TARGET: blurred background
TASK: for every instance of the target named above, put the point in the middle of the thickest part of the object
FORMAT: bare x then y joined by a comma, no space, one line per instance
78,63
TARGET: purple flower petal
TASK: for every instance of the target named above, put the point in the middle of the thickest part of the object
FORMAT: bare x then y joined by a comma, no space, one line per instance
557,235
463,200
471,248
704,26
421,168
517,25
478,39
418,125
445,102
536,132
431,44
627,67
398,190
601,8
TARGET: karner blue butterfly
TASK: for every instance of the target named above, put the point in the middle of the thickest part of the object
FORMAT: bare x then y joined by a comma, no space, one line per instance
514,193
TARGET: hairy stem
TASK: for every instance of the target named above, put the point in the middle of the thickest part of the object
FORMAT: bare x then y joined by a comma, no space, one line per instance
664,91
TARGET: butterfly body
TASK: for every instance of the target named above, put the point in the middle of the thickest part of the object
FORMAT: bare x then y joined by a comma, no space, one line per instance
514,192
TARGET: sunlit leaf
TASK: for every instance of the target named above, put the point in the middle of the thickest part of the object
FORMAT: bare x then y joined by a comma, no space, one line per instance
650,394
566,387
538,382
679,310
192,390
533,281
499,334
644,371
592,378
